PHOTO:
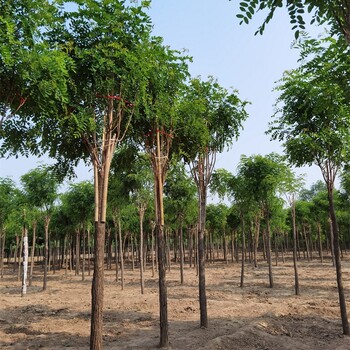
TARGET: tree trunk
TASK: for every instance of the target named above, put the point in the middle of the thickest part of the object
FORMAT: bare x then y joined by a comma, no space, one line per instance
268,249
163,299
84,256
142,208
2,247
320,252
152,249
243,253
77,252
89,251
15,254
121,253
97,289
181,247
190,247
25,261
46,251
331,239
256,239
32,254
276,249
116,250
201,257
342,302
306,243
65,252
19,257
296,276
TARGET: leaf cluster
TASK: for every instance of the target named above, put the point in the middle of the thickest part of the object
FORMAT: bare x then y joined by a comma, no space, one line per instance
335,13
312,115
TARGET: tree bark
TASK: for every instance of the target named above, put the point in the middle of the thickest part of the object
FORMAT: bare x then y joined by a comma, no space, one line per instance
181,246
2,247
342,302
201,257
25,261
320,252
142,209
77,252
243,252
268,250
97,289
19,257
84,256
256,239
121,253
296,276
32,254
46,252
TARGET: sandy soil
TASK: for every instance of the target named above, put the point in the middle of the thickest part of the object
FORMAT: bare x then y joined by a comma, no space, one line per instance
253,317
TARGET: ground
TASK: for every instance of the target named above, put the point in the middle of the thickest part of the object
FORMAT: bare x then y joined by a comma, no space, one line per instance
252,317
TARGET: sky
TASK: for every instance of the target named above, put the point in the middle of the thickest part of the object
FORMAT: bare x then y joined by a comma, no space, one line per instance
220,47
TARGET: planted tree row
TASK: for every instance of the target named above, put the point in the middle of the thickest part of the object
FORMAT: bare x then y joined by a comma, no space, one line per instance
80,81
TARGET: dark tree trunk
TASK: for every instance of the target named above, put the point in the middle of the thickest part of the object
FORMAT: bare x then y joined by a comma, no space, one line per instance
97,288
121,253
19,258
256,239
153,249
89,251
243,252
77,253
46,251
342,302
268,249
296,276
2,253
181,247
116,250
320,252
163,294
201,258
142,208
84,255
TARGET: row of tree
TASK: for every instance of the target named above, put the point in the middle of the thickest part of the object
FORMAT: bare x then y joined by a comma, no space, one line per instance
81,80
257,219
313,121
78,80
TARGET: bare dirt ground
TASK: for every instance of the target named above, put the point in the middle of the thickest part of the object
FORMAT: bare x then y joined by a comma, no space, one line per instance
253,317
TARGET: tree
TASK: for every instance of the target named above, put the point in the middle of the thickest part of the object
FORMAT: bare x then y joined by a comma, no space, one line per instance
156,132
212,118
40,187
101,75
29,70
263,178
77,205
7,195
291,186
180,191
141,184
314,123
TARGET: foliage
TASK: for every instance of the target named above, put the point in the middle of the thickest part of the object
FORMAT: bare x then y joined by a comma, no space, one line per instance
40,187
333,12
313,114
263,177
32,75
179,189
77,204
212,117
